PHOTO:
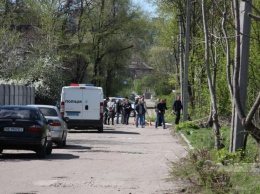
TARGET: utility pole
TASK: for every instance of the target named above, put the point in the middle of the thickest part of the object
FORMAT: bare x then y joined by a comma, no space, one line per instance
186,67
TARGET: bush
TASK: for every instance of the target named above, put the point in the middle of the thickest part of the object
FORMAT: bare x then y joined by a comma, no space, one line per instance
225,157
212,171
187,124
204,175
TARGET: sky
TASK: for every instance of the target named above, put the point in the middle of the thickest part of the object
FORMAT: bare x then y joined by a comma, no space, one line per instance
145,6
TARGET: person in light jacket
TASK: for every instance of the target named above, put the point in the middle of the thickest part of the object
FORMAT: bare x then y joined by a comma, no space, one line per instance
110,112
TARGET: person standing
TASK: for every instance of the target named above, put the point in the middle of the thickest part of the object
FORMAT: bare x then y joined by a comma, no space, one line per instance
111,112
160,110
145,108
140,112
127,108
118,110
105,110
123,111
177,107
135,103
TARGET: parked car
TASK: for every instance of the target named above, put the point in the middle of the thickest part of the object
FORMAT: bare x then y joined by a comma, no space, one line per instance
114,99
59,128
132,113
24,128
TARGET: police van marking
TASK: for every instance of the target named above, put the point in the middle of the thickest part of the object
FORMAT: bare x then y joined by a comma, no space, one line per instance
73,101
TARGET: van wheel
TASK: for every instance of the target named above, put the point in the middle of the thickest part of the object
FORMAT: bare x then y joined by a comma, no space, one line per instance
100,129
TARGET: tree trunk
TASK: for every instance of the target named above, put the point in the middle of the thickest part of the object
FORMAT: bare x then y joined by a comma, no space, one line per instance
186,67
210,82
240,77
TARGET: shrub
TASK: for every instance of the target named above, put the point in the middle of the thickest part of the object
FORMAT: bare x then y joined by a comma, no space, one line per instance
187,124
225,157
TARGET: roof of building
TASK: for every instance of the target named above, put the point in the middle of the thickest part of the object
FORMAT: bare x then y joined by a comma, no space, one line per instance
140,65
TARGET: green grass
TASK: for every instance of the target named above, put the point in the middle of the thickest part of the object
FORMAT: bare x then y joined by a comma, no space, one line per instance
204,138
237,176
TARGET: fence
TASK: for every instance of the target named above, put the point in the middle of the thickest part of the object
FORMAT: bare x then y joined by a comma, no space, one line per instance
16,95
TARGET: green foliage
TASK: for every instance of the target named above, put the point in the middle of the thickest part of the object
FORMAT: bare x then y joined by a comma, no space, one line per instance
139,86
224,155
204,175
162,87
187,125
204,166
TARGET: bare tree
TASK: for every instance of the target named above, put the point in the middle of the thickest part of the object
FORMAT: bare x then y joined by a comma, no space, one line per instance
211,81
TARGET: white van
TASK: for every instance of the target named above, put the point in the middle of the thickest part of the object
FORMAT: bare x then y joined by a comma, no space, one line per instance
82,106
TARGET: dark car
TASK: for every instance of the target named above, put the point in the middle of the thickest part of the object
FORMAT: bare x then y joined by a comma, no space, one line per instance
24,128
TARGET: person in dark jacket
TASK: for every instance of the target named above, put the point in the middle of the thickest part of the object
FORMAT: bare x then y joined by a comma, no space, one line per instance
127,107
165,108
118,110
160,110
177,107
140,112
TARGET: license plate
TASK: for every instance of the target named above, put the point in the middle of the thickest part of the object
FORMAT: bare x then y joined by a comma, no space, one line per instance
13,129
73,113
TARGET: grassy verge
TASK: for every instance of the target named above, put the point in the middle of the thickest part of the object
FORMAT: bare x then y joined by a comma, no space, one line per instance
211,171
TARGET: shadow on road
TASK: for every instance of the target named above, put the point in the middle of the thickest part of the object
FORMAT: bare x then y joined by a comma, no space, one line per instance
106,131
17,157
121,132
73,147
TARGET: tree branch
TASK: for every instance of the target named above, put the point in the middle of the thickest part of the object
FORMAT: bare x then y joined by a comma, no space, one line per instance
257,18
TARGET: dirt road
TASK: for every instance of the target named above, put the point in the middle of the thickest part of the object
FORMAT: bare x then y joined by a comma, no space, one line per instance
124,159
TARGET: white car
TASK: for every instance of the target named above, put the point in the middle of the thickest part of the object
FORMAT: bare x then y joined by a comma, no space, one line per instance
59,128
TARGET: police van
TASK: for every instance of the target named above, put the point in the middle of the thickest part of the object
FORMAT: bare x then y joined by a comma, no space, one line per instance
82,106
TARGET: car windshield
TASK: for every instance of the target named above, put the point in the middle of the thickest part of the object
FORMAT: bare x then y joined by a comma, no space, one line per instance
18,114
48,111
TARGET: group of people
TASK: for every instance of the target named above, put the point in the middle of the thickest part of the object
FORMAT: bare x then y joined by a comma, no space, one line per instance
124,108
113,110
161,107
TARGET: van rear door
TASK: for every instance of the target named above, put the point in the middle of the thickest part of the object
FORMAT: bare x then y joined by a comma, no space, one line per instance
91,103
73,102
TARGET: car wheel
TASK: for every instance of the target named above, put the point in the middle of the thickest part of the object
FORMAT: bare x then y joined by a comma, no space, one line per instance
49,148
100,129
59,144
41,151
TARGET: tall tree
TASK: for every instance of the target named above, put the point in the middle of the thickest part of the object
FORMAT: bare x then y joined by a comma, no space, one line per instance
210,80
